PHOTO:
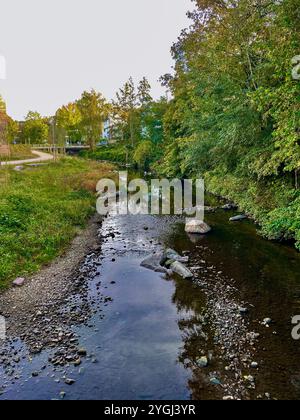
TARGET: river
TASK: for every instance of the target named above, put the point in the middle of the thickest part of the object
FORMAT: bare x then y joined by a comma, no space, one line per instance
145,340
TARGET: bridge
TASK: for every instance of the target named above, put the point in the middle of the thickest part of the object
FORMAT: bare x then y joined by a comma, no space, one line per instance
51,148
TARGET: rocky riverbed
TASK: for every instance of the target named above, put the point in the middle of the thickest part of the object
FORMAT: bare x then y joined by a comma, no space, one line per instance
97,325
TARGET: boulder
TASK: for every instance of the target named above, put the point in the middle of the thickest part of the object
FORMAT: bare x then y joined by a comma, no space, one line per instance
202,362
170,254
178,268
238,218
195,226
153,262
168,262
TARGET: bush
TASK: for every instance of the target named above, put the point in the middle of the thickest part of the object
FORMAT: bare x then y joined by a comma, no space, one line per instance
116,154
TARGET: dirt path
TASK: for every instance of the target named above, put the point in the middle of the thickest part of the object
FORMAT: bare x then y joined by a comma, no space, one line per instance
42,157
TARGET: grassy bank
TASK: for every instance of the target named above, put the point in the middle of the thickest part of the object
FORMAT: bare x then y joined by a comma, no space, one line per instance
41,210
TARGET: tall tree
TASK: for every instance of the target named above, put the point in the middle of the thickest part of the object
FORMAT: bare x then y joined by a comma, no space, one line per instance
69,118
94,111
36,128
126,111
144,93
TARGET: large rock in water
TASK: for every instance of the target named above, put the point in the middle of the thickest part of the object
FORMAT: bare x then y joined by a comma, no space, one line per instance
238,218
170,254
168,262
153,262
196,226
178,268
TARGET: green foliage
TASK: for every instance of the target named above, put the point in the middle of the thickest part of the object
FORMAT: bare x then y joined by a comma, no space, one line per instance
143,154
94,110
36,129
116,154
235,114
69,118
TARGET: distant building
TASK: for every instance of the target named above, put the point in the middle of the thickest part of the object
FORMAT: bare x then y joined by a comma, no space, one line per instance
106,129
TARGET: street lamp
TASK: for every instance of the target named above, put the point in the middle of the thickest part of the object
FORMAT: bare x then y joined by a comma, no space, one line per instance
52,125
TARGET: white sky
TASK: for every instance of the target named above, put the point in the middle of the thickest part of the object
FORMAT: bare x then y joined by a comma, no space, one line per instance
56,49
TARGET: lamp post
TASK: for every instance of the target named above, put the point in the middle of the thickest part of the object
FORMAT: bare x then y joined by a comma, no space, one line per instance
52,125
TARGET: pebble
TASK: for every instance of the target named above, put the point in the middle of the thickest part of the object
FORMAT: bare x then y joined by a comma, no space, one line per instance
82,352
254,365
215,381
69,381
249,379
202,362
243,311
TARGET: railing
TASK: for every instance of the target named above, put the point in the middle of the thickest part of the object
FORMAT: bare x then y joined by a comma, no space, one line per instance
51,146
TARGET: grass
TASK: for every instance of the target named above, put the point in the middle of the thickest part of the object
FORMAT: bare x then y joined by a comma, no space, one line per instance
41,210
19,152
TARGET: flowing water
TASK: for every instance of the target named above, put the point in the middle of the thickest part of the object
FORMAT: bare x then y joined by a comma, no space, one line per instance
146,340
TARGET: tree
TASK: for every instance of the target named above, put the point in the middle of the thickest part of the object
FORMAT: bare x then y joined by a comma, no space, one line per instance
13,129
125,109
152,120
36,129
144,93
2,105
69,118
8,127
94,111
143,153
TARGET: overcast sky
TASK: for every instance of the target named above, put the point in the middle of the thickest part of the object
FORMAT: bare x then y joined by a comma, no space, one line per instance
56,49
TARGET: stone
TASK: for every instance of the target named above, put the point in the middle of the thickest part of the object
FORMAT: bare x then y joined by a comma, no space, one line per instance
202,362
178,268
249,379
19,168
195,226
228,207
153,263
19,282
228,398
69,381
82,352
238,218
254,365
267,321
215,381
172,255
209,209
243,311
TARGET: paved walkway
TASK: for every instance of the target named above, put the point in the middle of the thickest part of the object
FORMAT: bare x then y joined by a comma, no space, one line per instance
42,157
